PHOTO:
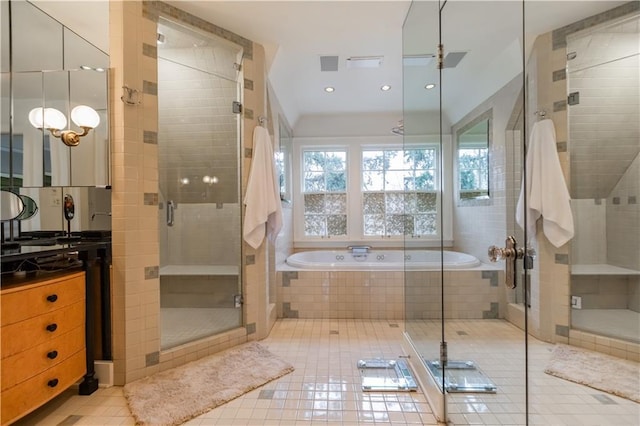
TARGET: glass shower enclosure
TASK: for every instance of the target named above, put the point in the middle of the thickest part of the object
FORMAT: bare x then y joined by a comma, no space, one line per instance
479,339
199,180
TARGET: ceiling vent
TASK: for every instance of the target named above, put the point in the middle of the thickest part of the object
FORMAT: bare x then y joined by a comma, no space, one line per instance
328,63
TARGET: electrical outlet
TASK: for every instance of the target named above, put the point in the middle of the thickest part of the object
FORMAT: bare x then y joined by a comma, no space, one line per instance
576,302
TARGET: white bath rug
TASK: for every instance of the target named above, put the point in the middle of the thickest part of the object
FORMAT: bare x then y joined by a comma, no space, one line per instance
174,396
594,369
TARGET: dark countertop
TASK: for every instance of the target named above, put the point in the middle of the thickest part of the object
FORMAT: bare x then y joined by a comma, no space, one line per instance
31,249
25,260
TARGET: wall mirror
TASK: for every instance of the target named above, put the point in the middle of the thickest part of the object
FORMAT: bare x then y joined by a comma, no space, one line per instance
473,143
11,205
63,71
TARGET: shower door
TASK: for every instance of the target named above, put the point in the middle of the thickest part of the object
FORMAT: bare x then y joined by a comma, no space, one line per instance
471,362
199,179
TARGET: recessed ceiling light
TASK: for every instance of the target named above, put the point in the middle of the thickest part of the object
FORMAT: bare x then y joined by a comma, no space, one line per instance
385,88
329,89
429,86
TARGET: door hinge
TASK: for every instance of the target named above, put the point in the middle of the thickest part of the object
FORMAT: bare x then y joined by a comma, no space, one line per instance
573,98
237,107
238,300
443,354
440,58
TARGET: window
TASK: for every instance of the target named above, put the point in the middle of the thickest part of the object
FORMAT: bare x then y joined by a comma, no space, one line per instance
374,190
399,192
324,191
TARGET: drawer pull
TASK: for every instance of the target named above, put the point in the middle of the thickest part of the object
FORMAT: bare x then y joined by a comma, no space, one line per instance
52,354
52,383
52,327
52,298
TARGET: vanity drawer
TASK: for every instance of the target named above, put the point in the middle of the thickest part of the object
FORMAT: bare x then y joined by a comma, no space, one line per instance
31,300
24,365
29,395
26,334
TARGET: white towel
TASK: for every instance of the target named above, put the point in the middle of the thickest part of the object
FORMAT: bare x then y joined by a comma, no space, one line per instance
262,199
547,193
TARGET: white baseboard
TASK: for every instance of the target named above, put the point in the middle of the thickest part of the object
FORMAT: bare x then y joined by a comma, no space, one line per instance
104,373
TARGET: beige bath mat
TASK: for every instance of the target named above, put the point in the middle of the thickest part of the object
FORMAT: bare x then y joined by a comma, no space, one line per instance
174,396
599,371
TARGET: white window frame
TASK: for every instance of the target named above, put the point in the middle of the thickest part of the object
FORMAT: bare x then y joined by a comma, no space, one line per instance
354,147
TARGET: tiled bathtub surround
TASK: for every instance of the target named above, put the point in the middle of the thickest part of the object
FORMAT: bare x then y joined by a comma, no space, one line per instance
343,294
467,294
383,294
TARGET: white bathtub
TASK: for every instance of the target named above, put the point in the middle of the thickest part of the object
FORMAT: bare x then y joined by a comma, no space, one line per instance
387,260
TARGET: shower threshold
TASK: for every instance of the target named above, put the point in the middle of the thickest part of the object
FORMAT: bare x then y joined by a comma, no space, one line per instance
461,376
386,375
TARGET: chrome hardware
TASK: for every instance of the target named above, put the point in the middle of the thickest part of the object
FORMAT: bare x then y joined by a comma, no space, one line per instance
380,257
238,300
359,249
407,257
170,215
339,257
510,253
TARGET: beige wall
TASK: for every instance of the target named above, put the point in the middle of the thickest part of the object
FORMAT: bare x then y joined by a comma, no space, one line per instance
136,297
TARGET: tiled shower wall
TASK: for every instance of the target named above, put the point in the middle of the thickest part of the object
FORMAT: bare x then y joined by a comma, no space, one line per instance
135,197
550,280
204,234
623,216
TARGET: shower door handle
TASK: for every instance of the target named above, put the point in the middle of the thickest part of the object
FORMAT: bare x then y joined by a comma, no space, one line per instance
510,254
170,213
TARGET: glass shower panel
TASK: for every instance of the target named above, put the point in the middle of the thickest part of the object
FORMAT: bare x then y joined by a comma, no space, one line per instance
480,342
604,134
199,172
421,123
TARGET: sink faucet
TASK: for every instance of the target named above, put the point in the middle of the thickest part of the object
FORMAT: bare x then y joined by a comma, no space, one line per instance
93,216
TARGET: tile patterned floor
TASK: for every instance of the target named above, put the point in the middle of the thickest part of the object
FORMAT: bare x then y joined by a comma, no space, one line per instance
325,387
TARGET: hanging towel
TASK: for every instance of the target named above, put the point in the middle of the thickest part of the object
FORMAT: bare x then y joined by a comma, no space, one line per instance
262,199
547,193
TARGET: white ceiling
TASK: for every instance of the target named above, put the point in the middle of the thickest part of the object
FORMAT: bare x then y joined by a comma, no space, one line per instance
296,33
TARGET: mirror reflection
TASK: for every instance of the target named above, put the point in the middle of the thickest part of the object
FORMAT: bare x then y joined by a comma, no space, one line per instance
68,73
283,161
11,206
473,143
30,208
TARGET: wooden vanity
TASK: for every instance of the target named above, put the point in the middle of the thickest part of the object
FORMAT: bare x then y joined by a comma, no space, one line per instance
48,323
43,341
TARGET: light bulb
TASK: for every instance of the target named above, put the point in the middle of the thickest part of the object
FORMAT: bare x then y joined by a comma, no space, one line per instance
36,117
54,119
85,116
